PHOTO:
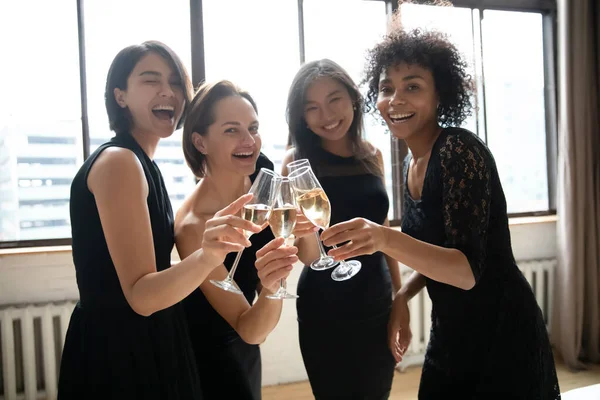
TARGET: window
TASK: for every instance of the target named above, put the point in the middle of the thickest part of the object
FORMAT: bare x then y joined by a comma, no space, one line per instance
257,49
40,119
511,95
104,38
515,105
259,45
346,41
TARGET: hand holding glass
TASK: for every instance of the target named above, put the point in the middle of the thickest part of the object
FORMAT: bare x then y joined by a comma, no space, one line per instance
316,207
256,211
324,261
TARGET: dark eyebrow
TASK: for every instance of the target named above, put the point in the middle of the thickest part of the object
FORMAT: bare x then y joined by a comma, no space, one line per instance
153,73
406,78
234,123
410,77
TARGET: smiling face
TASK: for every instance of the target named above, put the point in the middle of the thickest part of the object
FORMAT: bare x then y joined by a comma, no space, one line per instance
154,96
232,141
407,100
328,109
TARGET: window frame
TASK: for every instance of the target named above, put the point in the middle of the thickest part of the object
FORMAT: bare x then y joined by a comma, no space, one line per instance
399,149
548,10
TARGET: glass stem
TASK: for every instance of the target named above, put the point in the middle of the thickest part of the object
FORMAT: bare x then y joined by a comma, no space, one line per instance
321,248
344,266
234,267
282,281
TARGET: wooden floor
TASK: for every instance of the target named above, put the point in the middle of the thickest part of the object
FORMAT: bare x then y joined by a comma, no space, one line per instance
406,384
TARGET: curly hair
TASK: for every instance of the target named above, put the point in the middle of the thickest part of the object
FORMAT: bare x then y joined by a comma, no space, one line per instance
430,50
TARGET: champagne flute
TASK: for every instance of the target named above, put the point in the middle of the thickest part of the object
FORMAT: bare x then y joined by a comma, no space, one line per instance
282,221
324,261
303,162
315,205
256,211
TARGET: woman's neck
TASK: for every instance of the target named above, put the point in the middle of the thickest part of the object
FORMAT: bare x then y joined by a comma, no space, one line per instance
147,141
341,147
421,143
225,186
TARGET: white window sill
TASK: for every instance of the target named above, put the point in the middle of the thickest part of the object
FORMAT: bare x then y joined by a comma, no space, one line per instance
545,219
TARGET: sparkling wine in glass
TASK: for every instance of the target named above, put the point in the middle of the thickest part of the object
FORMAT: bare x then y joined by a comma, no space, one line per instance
315,205
324,261
256,211
282,221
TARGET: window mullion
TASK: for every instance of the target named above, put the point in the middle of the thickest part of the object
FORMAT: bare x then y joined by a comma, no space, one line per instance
197,42
480,68
85,127
550,95
301,31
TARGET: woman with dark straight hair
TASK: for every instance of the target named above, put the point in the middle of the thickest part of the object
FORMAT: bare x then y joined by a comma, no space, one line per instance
127,338
342,324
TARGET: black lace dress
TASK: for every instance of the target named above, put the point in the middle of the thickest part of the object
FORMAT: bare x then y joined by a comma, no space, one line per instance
489,342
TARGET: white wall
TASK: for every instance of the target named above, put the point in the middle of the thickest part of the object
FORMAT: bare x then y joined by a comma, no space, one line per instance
38,277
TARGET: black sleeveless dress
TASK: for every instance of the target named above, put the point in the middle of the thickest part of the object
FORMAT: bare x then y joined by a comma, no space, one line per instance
489,342
110,351
229,368
343,325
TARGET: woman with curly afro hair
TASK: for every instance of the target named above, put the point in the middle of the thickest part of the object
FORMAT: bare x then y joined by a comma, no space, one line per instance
488,338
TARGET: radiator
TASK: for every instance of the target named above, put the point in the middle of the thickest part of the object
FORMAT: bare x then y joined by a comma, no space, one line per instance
539,274
31,342
32,337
